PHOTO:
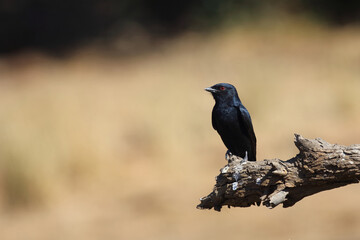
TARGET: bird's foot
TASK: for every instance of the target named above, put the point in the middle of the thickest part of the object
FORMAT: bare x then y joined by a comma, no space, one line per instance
228,155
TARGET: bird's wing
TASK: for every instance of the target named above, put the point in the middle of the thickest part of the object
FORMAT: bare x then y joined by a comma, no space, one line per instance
246,122
213,120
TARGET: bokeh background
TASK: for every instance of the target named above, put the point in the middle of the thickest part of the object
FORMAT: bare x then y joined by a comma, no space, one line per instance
105,129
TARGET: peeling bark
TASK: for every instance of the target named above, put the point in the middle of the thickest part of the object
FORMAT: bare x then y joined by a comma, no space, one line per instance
319,166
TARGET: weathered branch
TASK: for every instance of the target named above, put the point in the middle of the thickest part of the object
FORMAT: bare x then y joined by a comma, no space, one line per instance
319,166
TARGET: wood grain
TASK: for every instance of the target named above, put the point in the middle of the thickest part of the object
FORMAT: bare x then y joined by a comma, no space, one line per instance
317,167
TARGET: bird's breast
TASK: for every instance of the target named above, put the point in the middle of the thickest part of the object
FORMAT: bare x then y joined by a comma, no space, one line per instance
226,115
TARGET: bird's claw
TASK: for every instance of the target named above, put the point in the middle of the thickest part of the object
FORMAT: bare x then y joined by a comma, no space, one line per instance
228,155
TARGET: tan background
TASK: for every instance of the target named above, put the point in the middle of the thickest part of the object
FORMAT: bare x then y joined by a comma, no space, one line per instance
97,147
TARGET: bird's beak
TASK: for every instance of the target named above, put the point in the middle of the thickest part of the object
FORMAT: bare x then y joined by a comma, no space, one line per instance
212,90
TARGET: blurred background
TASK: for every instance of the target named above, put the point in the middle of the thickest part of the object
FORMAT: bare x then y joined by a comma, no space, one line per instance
106,128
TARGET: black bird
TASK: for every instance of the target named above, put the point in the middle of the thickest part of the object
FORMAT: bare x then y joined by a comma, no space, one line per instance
232,121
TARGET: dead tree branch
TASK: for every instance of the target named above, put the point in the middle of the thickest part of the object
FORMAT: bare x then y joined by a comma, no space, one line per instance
319,166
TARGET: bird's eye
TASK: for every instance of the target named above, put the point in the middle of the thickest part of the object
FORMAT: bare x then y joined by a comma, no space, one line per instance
222,88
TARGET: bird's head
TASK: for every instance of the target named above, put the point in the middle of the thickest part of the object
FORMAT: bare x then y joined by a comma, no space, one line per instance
223,92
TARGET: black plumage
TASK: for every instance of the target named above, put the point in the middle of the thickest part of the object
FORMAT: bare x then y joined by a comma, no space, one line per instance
232,121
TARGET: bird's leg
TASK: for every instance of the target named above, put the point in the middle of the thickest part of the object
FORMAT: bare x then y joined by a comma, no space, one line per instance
245,159
228,155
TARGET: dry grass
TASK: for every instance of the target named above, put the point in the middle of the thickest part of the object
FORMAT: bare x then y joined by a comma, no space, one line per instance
100,148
